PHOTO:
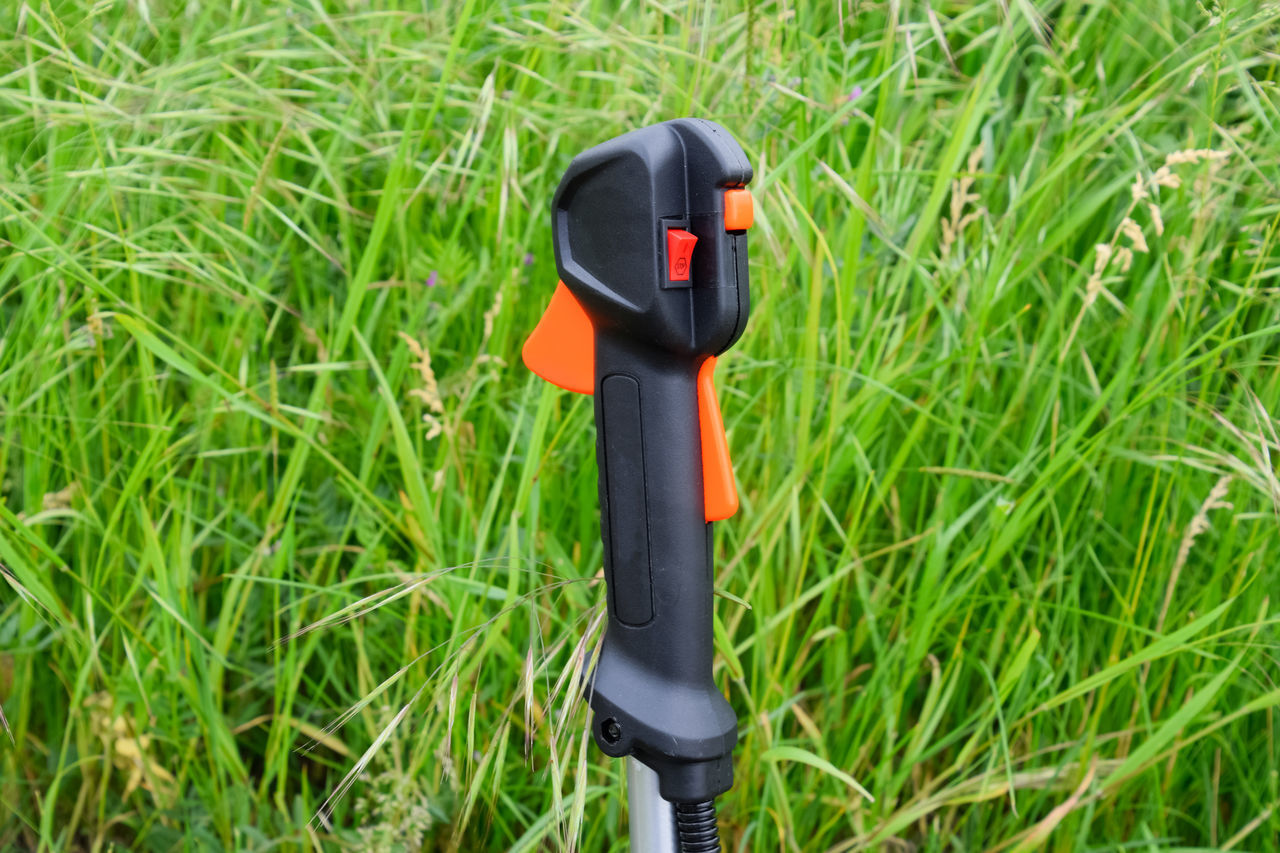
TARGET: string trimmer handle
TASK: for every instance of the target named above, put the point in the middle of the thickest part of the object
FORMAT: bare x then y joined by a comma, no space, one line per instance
651,247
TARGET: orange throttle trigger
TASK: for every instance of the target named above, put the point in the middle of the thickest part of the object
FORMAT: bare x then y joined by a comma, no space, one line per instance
720,494
562,347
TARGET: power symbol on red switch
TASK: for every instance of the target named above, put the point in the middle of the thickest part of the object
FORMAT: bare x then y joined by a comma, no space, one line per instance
679,253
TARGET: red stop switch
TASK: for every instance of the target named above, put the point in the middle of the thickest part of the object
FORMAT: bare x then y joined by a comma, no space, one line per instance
679,253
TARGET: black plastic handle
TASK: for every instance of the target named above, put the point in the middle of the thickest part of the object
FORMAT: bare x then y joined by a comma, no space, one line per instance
653,691
652,304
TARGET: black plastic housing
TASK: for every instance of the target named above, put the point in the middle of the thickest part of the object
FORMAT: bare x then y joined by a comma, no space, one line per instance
652,691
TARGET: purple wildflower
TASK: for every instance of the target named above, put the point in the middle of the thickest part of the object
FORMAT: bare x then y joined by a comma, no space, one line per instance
433,279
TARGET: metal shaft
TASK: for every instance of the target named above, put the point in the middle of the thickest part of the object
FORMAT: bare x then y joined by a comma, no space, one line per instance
653,819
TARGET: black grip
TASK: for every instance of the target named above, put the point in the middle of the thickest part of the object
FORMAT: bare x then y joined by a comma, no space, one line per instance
653,691
652,254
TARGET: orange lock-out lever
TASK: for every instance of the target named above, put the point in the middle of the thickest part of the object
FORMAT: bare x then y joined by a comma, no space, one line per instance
650,234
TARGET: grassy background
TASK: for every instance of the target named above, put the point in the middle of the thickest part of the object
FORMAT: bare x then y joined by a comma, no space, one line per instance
1004,422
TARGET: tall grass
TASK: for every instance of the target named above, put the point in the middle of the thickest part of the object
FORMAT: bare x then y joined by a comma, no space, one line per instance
1004,423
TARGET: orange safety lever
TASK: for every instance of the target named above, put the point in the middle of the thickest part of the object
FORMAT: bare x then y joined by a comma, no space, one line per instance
562,347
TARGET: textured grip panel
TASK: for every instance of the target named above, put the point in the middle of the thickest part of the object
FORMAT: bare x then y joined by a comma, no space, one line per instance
622,429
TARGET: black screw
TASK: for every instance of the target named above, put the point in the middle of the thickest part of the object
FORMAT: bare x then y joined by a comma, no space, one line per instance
611,731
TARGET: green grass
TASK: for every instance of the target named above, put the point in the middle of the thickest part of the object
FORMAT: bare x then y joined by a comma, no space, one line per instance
1009,508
